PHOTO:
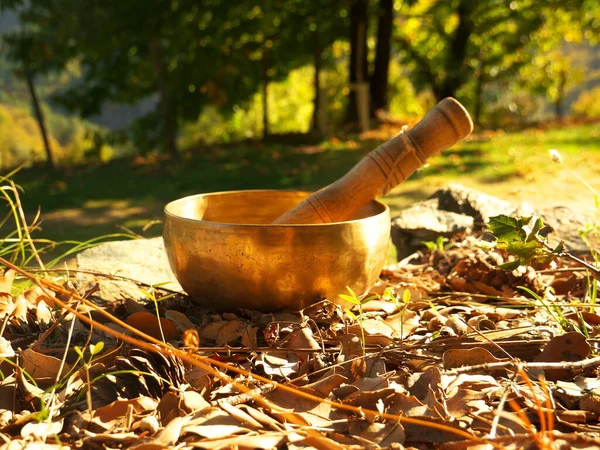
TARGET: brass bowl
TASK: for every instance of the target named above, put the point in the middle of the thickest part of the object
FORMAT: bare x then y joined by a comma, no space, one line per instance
226,254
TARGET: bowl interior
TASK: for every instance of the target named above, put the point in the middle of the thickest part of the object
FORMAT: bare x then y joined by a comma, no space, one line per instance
260,207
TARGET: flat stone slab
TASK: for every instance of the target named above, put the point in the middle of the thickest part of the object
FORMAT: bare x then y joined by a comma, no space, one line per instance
142,260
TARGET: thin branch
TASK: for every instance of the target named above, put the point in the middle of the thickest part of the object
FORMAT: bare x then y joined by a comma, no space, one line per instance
524,438
245,397
573,367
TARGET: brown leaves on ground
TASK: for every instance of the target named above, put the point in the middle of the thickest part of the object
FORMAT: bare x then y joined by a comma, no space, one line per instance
455,355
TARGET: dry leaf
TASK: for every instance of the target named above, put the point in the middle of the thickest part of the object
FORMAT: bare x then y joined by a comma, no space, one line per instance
351,345
301,338
41,366
43,313
379,305
199,378
263,440
20,310
243,417
177,404
211,330
588,317
148,424
376,332
169,436
368,399
6,350
7,304
119,408
190,340
380,434
249,339
42,429
6,280
261,417
280,365
590,402
147,323
358,368
216,431
325,385
180,320
568,347
403,323
230,332
455,358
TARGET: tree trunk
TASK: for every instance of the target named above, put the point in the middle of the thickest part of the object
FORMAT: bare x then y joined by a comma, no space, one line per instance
317,57
169,128
359,70
379,80
456,66
560,95
265,95
478,107
39,115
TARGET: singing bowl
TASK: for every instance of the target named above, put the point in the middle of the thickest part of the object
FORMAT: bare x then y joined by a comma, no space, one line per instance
226,254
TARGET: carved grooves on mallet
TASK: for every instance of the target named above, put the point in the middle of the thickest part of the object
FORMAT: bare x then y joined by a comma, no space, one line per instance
390,166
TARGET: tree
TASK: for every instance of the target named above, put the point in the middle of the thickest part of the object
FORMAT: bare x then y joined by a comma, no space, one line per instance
456,47
185,54
379,78
28,56
358,67
552,72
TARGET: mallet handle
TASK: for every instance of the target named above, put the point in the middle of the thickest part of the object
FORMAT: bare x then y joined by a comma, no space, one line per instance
385,167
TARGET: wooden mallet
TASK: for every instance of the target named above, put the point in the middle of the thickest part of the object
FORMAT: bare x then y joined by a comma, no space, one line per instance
385,167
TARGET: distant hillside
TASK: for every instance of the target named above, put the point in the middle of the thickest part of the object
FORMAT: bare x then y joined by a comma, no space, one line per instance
113,116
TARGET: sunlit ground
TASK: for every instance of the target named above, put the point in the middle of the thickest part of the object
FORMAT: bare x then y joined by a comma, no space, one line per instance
101,199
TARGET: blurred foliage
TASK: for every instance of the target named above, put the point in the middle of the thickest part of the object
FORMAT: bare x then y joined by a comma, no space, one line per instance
193,54
588,104
457,47
73,140
202,66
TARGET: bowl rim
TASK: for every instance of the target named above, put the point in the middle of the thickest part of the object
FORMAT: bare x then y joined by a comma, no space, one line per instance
385,211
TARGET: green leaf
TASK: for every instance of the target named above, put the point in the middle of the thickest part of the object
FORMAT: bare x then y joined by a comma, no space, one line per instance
525,251
161,284
406,296
350,299
350,313
368,299
148,294
509,265
441,241
506,229
537,226
166,297
96,348
430,245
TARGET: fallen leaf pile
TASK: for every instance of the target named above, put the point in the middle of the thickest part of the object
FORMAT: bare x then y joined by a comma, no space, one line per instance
452,353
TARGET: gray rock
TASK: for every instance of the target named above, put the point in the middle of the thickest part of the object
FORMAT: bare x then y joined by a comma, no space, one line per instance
425,221
142,260
462,200
566,225
456,209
